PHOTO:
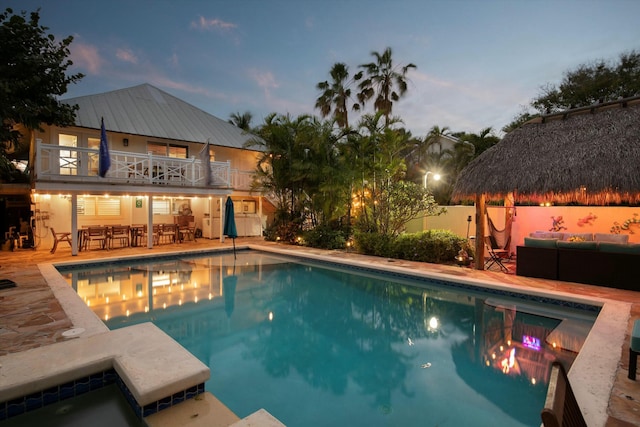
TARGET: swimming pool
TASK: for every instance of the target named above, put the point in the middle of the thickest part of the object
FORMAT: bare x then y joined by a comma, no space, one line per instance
318,345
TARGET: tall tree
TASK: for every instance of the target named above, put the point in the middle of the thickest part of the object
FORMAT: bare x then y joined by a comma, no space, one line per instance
33,68
241,120
384,81
599,81
336,95
481,141
385,200
275,168
329,176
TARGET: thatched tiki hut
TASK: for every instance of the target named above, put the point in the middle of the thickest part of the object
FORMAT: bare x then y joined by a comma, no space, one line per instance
589,156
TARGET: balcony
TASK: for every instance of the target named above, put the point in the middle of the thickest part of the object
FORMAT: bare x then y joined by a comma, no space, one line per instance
62,164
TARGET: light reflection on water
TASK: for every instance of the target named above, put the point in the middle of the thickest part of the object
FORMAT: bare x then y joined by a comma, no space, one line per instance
315,345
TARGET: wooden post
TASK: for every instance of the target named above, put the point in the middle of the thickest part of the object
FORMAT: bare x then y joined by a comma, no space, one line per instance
509,203
480,213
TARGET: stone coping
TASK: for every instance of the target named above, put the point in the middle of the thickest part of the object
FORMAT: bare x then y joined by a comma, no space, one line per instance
150,363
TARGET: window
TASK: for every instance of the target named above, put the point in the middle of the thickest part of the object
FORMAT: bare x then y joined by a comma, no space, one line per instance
161,207
171,207
167,150
212,154
68,158
98,206
249,206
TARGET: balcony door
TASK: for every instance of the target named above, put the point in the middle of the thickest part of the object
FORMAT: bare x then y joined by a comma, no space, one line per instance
94,158
68,159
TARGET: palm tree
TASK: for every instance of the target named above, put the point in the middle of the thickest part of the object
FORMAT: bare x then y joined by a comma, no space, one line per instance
453,161
336,95
384,81
481,141
243,121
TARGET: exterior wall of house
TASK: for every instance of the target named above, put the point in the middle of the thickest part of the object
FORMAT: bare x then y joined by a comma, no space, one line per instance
444,143
527,219
53,207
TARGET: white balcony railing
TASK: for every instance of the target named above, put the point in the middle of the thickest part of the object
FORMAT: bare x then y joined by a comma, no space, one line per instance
241,180
76,164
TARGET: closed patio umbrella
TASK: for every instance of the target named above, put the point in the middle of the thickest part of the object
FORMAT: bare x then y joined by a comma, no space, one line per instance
230,223
104,160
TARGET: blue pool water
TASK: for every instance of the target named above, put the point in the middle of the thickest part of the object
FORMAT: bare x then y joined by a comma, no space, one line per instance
318,345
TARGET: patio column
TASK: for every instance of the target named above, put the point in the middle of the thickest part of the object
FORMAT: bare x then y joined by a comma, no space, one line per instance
479,249
150,221
223,214
74,224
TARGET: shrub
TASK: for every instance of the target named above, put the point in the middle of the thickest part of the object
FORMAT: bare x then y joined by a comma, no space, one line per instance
286,232
326,237
434,246
373,243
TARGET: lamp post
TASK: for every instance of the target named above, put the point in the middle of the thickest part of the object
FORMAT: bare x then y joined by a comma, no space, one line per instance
436,176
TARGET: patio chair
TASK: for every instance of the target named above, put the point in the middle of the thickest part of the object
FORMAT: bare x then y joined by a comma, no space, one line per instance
188,232
561,407
169,232
121,233
60,237
496,254
96,234
156,231
138,234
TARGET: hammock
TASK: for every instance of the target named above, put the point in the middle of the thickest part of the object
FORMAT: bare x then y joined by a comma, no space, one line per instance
500,239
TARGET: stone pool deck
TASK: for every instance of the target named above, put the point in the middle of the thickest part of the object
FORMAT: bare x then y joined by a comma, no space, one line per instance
31,317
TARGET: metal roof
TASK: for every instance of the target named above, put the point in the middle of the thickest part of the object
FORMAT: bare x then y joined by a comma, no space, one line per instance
148,111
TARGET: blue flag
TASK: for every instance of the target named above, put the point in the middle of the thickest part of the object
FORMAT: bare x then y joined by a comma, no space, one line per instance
104,160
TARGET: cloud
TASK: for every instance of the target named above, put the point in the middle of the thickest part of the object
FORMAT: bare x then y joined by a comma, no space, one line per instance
309,23
265,80
126,56
167,82
467,103
86,57
205,24
173,60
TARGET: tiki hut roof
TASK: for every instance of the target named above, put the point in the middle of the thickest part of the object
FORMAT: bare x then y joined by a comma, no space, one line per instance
587,155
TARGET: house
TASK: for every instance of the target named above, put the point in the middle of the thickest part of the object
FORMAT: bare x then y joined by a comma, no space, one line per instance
445,144
158,173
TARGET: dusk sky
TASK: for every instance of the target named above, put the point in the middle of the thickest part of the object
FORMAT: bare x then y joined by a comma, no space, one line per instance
478,61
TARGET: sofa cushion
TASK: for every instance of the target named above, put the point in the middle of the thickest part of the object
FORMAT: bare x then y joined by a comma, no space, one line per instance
535,242
546,235
586,237
612,238
589,246
619,248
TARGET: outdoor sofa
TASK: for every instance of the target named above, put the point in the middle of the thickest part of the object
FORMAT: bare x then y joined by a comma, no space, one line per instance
597,259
